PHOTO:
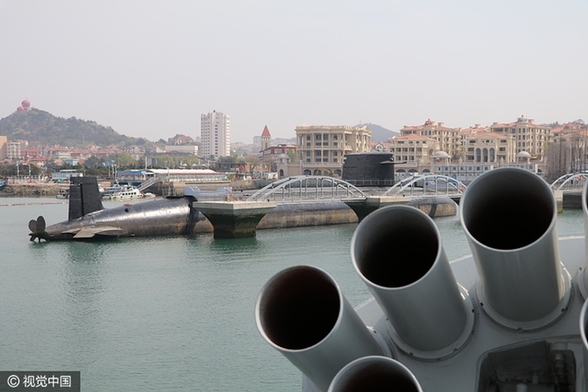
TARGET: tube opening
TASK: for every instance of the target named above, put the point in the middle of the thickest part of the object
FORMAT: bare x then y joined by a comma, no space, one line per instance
395,247
375,374
299,307
509,210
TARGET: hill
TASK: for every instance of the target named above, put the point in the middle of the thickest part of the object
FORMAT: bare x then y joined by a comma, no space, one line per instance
379,134
41,128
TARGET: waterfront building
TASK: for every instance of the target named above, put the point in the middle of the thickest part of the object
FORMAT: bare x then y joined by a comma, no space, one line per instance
528,136
568,149
448,139
490,147
215,135
413,148
322,148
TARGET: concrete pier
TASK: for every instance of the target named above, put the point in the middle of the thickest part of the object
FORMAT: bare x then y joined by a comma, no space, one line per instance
364,206
234,219
434,206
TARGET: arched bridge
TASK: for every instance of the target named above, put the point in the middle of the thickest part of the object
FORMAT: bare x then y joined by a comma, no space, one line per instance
570,182
427,185
307,188
299,188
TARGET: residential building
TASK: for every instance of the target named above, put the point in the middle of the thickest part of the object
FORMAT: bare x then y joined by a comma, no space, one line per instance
448,138
490,147
528,136
13,150
568,151
321,148
215,135
413,149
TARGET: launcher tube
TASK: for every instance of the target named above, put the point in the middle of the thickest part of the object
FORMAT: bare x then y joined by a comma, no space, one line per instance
397,252
509,217
375,373
302,313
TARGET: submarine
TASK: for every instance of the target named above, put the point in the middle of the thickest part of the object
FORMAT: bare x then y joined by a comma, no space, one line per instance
88,219
511,316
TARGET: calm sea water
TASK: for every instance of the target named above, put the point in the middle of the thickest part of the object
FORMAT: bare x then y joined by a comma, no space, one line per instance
163,314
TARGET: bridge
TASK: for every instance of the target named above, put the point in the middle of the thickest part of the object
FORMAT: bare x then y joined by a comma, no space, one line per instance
420,191
570,182
300,188
422,188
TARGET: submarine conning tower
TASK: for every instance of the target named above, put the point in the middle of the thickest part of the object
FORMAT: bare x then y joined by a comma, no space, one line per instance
84,197
511,316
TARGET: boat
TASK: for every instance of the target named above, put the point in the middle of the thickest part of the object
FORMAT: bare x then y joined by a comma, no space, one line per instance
124,193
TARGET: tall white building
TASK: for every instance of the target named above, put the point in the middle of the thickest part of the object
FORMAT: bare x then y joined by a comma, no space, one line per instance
215,135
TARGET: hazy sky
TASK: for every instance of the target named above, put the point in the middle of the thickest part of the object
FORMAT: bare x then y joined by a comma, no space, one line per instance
151,68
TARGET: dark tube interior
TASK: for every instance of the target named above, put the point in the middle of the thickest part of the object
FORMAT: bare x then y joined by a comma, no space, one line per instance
508,210
377,377
299,308
396,248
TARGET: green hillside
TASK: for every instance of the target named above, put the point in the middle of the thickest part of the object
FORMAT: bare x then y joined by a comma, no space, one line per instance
41,128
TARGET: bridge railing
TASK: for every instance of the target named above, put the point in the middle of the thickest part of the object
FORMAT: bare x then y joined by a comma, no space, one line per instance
307,188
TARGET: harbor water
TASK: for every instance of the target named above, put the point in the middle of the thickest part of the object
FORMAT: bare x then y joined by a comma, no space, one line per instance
163,314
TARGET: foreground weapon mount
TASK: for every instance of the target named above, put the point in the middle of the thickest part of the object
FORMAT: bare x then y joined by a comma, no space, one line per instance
510,317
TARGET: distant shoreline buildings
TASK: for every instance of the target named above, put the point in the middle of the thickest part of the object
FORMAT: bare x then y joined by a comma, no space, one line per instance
430,147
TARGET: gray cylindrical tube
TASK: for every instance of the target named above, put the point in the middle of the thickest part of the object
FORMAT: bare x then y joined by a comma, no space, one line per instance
584,276
373,374
584,334
397,251
302,313
509,217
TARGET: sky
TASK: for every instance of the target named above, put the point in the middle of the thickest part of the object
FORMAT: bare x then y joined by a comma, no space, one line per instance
151,68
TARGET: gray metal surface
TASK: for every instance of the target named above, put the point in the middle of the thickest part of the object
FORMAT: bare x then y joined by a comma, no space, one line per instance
524,294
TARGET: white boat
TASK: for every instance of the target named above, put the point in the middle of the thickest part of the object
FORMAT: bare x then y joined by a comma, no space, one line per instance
123,193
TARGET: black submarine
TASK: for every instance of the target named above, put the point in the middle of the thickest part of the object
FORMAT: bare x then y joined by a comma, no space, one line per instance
88,219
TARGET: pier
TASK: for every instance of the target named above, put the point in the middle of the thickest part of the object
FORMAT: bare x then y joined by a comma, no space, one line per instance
234,219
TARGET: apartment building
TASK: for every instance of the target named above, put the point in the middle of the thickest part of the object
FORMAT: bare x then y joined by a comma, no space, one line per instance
413,148
490,147
528,136
321,148
215,135
13,150
448,139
